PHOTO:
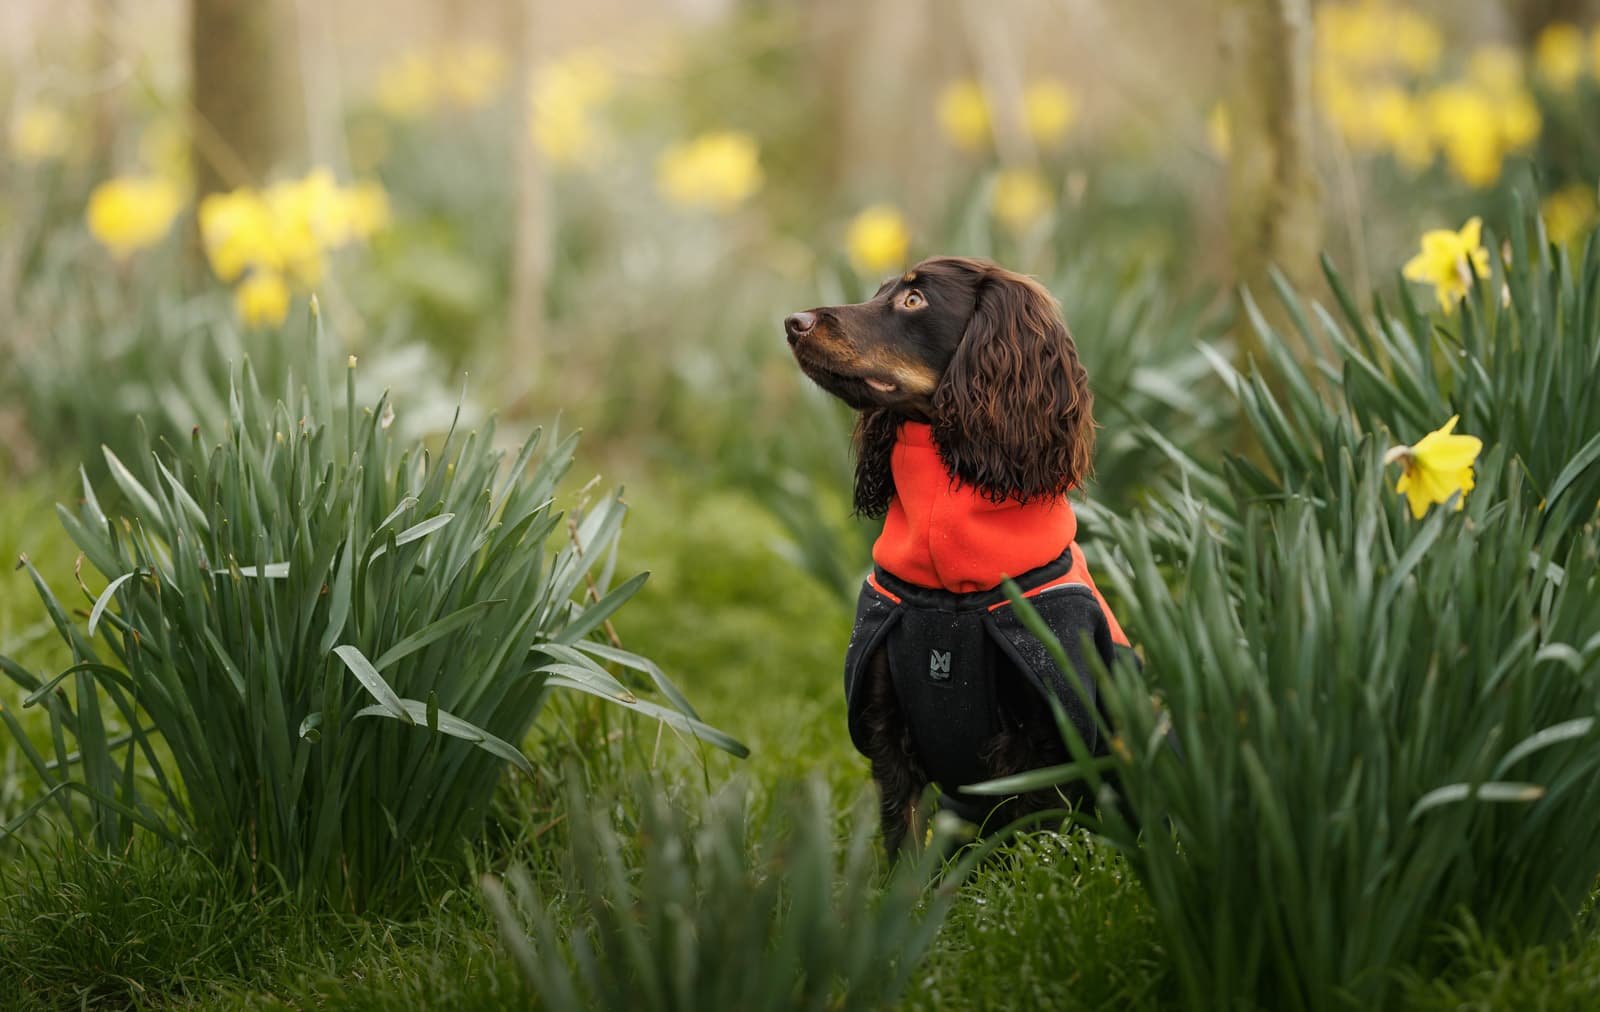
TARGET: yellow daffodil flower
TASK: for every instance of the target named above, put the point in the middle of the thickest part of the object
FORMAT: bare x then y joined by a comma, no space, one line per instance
1569,213
236,231
1377,37
1345,101
1349,34
1219,131
131,213
1436,468
717,171
1558,55
1417,41
367,209
1465,122
464,75
1401,125
1449,260
562,103
262,299
1049,109
283,234
264,229
878,239
38,133
1496,69
164,150
469,74
1519,120
963,114
408,89
1021,197
564,134
1370,57
310,210
582,77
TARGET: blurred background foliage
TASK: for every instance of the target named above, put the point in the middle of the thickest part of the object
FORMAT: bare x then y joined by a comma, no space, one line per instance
601,212
605,213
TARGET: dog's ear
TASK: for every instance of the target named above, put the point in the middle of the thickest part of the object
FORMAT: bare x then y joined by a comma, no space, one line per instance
1013,416
874,439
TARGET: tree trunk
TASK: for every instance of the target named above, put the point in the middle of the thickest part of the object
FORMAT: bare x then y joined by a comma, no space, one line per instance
1274,216
530,260
869,66
249,109
108,93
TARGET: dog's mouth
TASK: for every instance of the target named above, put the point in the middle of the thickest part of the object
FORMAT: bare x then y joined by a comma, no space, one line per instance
836,381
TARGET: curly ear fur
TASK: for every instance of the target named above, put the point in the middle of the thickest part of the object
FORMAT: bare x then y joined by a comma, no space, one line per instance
1013,416
874,439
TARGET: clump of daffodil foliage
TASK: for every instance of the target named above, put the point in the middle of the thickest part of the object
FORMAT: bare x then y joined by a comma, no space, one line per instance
308,648
1371,717
686,912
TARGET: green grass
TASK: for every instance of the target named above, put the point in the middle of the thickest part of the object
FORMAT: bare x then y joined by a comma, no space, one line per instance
25,632
761,643
27,527
1486,978
452,960
80,925
1053,921
154,928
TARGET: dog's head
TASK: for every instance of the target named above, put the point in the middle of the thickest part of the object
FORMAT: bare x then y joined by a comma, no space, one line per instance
977,351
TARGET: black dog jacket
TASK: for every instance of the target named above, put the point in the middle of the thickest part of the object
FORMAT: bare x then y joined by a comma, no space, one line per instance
946,651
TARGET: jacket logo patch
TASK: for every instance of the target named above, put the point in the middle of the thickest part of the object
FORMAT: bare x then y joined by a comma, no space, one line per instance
939,664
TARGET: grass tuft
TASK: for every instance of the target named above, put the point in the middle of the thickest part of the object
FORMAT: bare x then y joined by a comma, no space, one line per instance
1053,920
676,912
80,927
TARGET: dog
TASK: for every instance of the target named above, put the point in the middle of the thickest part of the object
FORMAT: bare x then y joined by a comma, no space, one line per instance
974,422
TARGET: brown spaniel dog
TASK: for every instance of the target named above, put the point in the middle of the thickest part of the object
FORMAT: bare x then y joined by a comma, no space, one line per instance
975,421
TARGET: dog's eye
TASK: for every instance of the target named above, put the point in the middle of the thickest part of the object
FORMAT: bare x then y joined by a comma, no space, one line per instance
913,300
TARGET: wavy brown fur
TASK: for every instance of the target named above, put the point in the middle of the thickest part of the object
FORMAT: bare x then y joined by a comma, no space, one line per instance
1012,415
874,441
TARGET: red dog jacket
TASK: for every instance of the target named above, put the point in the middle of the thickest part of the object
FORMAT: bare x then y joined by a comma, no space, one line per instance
934,603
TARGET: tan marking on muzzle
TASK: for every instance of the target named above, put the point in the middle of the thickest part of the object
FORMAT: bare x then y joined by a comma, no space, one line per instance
910,377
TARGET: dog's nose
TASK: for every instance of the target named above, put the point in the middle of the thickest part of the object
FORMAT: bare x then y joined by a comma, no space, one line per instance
798,325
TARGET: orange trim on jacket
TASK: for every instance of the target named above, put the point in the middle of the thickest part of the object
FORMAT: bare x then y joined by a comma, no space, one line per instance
943,535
